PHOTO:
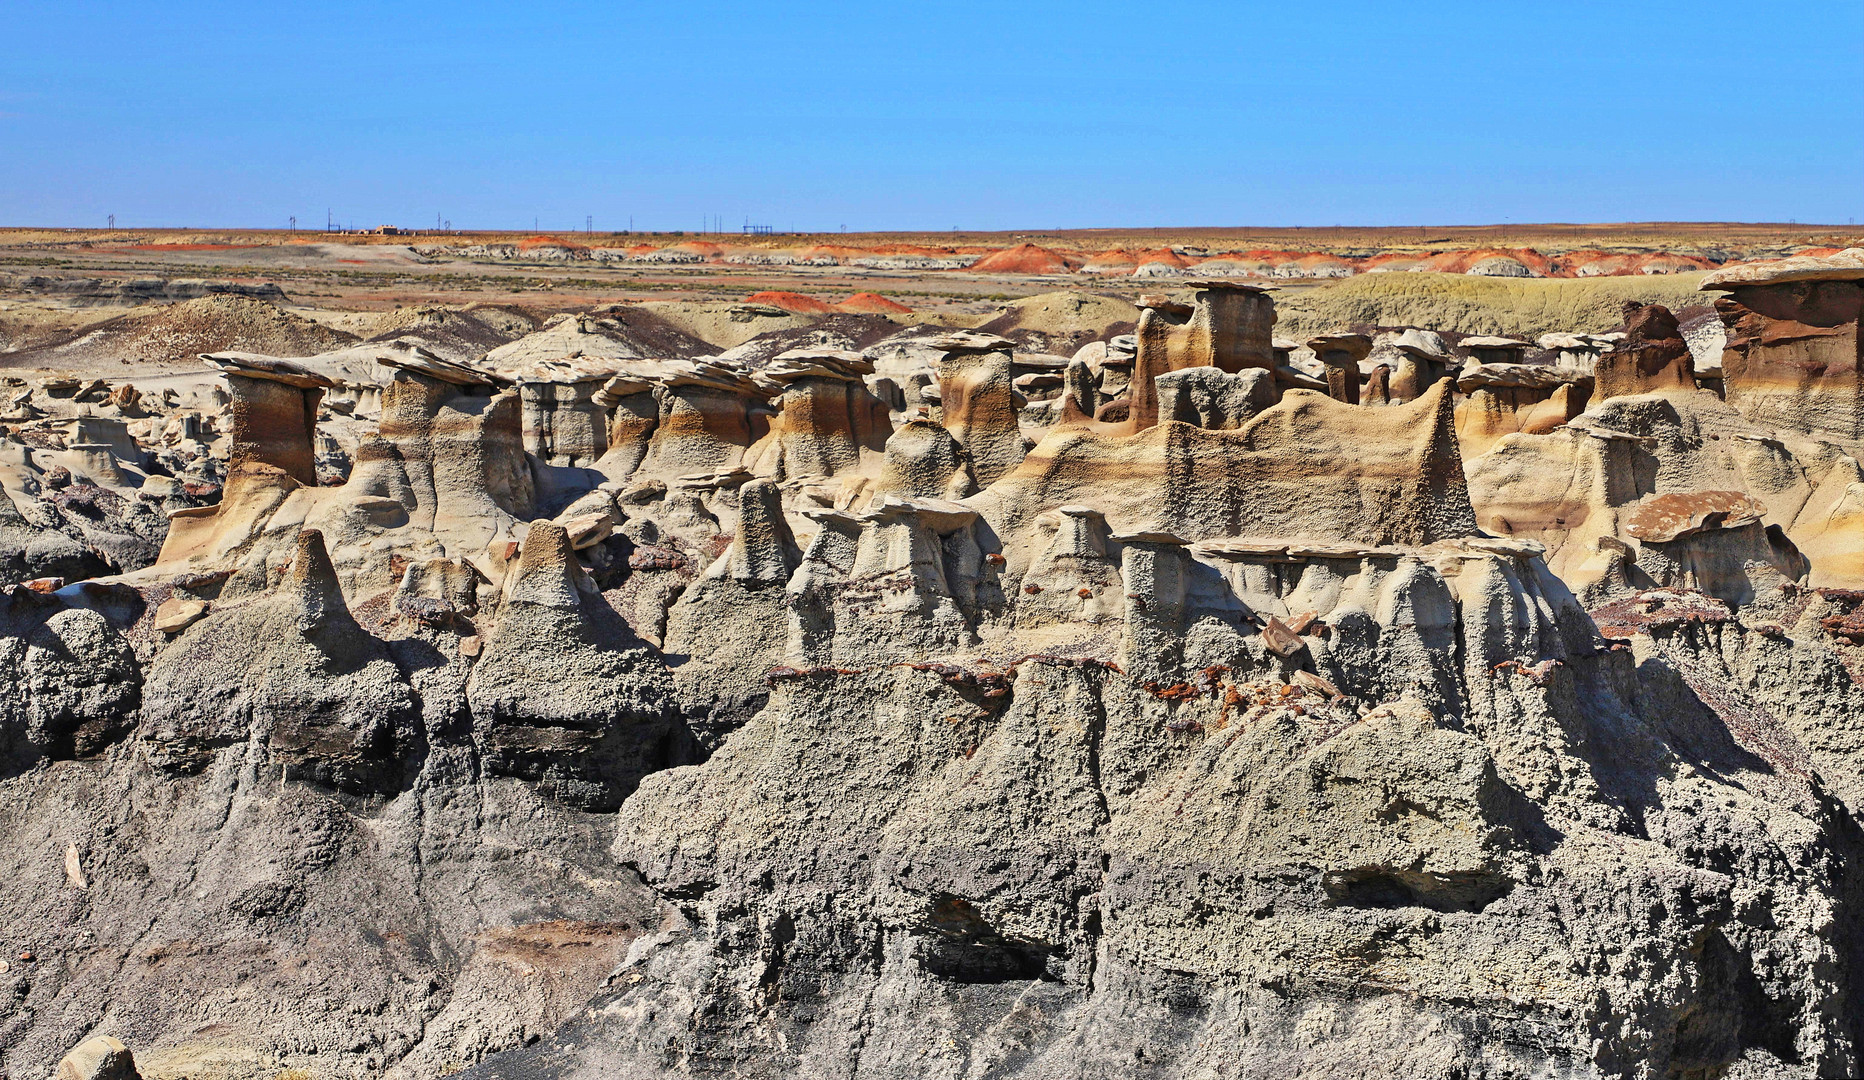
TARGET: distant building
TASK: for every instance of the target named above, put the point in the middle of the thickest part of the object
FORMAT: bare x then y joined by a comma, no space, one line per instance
385,230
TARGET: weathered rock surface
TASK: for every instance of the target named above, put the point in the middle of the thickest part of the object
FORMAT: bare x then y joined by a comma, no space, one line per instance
1793,358
1189,708
289,666
101,1058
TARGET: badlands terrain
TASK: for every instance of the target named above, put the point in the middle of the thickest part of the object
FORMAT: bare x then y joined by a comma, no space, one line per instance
1277,653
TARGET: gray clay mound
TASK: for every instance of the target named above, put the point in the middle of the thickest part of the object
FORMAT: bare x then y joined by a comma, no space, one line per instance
176,333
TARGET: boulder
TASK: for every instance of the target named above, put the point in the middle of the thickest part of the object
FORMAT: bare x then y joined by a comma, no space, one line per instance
98,1058
177,613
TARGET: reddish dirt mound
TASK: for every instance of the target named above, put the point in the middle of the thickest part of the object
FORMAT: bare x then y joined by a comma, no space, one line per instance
1458,262
1609,264
834,251
699,247
1320,263
1110,260
789,301
1024,259
1164,255
872,303
1398,260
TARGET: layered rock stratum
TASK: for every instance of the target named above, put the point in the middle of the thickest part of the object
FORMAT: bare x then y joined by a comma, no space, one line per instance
1198,704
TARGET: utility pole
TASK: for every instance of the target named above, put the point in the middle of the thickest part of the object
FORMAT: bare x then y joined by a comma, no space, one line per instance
113,222
588,225
294,224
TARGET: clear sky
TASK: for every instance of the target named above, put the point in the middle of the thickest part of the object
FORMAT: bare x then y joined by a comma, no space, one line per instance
907,115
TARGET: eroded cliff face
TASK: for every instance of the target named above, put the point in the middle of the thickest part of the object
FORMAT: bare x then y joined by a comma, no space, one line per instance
734,722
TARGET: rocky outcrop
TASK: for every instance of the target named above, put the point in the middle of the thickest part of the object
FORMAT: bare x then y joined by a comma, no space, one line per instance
731,625
1226,326
563,424
1652,358
848,871
1307,467
923,460
100,1058
827,422
444,474
1573,489
1792,358
633,413
710,414
821,714
288,667
71,682
1341,354
1503,399
272,414
563,693
978,403
1580,352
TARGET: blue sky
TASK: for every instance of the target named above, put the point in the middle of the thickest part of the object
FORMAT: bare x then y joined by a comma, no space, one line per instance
904,115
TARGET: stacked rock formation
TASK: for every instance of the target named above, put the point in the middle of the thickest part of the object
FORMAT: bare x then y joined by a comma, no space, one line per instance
1793,358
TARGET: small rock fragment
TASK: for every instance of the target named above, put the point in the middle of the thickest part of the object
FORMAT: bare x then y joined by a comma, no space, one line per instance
1310,681
177,613
1280,639
589,530
74,868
